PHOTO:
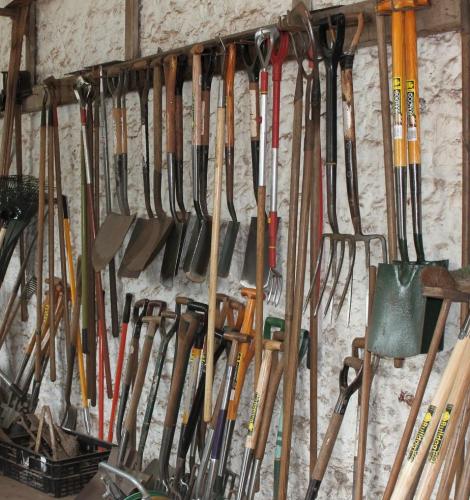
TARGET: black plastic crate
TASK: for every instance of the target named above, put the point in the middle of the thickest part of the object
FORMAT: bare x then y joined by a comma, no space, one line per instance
58,478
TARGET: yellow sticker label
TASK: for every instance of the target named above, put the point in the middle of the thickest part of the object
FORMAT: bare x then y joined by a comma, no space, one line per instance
439,437
254,411
421,432
396,82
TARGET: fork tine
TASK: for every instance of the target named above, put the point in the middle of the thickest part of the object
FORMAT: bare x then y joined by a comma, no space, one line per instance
328,271
337,273
352,260
315,274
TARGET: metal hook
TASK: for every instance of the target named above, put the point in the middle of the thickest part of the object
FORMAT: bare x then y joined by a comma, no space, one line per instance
266,37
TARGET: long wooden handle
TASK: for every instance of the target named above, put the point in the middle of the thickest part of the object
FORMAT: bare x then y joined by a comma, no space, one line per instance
153,324
422,441
214,259
446,429
418,398
170,67
188,325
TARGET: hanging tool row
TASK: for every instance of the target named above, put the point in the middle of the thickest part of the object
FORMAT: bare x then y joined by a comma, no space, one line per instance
204,393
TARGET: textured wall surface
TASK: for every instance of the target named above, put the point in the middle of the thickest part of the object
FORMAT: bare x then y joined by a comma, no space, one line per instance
76,34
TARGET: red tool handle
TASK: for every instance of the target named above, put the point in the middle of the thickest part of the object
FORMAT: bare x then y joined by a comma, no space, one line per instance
120,361
273,223
278,56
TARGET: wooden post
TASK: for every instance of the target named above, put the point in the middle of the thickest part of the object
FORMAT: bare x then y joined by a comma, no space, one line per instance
132,35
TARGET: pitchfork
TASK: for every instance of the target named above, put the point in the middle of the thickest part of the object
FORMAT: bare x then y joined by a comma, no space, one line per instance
331,56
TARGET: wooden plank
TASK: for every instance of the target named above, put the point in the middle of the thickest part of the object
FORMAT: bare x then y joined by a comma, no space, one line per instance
132,35
440,17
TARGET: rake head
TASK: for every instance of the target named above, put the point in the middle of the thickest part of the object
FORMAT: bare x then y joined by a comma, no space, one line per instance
18,197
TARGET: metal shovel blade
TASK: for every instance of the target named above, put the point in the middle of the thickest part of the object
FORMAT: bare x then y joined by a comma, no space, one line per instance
172,255
228,246
147,240
200,258
109,239
403,320
190,242
248,278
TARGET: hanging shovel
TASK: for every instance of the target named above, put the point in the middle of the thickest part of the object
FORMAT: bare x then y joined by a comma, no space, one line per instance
174,245
230,232
112,232
147,239
194,227
198,260
403,320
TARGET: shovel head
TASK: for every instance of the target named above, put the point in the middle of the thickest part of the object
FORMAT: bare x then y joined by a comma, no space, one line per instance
202,252
248,278
403,320
109,239
190,242
228,246
147,240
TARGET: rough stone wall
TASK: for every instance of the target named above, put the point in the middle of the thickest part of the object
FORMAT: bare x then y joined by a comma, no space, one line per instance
76,34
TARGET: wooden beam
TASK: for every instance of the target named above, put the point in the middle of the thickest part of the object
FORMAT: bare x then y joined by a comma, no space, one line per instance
132,30
5,12
440,17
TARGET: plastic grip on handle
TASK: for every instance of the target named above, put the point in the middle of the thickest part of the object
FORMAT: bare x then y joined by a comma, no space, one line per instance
127,308
272,234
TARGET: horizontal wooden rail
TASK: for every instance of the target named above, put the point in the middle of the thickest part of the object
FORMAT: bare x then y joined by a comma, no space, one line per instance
440,17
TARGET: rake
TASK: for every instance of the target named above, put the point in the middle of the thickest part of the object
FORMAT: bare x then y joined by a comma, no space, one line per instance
18,205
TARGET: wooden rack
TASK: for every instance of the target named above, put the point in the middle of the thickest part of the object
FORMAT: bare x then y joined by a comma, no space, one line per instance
442,16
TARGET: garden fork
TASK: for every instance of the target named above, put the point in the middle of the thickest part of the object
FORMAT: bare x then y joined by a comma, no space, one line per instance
346,60
265,40
278,56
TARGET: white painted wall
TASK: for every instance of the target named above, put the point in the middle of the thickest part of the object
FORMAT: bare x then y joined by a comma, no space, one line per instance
76,34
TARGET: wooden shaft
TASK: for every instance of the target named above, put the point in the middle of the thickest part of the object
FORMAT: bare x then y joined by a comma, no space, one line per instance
214,259
412,89
294,203
131,418
463,491
259,398
18,29
50,238
418,398
454,457
197,94
424,436
387,137
447,427
40,240
364,398
290,378
277,369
